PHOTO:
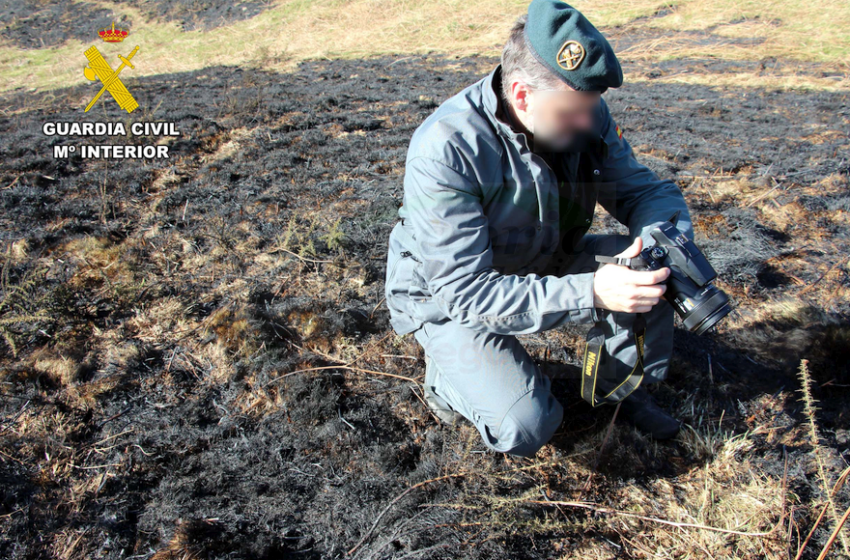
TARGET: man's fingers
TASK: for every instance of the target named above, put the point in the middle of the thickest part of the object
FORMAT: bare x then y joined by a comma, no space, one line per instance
636,308
642,301
650,292
650,277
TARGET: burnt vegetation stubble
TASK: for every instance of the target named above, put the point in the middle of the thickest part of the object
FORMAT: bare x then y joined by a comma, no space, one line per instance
178,292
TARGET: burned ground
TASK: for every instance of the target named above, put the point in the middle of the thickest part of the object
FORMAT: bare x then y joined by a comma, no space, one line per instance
35,24
194,14
157,319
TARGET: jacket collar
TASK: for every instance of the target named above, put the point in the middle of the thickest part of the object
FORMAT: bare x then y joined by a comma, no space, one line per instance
490,90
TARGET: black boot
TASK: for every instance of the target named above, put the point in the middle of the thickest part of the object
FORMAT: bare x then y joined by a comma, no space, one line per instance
641,410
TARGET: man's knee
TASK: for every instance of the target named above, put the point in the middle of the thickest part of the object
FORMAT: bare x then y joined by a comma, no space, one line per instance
530,422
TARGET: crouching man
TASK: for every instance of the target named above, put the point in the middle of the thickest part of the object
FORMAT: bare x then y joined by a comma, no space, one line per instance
500,188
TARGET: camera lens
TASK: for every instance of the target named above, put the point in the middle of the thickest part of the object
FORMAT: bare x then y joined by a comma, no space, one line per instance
709,307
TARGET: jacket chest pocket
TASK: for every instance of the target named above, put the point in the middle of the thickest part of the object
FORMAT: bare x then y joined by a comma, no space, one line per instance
578,217
578,205
590,174
592,162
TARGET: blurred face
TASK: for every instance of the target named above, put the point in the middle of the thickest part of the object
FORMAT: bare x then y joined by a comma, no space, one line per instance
555,117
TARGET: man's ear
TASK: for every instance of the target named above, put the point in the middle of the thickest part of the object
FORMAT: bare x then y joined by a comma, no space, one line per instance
520,94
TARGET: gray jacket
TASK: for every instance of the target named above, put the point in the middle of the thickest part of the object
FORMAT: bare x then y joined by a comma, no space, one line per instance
480,229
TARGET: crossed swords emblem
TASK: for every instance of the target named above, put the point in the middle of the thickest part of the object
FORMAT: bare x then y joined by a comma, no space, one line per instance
571,55
99,68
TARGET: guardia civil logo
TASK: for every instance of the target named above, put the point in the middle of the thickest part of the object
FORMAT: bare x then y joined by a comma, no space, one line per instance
99,69
93,145
570,55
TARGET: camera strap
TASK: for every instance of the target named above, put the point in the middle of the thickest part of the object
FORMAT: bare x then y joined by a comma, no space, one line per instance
590,367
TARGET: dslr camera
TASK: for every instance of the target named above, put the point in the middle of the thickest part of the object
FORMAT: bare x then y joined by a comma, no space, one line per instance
689,289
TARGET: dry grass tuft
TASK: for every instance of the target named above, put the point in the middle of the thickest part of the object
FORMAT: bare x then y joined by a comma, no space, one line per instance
189,541
810,409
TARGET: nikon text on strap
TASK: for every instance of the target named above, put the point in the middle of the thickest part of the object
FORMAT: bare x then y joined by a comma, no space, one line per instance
590,367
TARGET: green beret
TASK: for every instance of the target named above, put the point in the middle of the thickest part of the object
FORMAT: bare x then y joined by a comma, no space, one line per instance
561,38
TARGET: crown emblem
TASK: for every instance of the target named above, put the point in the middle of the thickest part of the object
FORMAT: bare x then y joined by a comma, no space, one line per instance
113,35
571,55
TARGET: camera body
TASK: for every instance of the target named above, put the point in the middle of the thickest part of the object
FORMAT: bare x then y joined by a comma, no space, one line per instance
689,289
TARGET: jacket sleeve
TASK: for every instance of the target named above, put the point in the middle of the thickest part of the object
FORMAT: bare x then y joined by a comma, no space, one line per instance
452,242
633,193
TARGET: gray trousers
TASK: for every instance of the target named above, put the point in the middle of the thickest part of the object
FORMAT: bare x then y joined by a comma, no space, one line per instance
491,379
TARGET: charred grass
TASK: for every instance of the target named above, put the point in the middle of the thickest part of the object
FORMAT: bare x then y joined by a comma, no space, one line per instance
197,363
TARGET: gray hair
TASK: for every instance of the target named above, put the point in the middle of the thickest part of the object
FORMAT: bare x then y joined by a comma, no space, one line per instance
518,62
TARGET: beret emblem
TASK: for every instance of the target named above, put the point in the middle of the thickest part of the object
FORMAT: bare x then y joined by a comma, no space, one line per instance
570,55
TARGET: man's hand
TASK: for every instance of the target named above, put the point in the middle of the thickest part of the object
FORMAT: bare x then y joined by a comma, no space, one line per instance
619,288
